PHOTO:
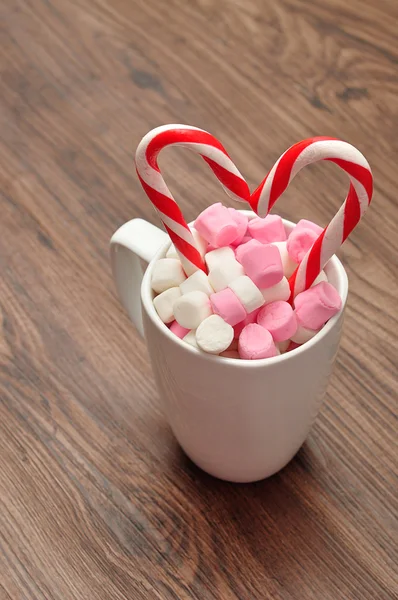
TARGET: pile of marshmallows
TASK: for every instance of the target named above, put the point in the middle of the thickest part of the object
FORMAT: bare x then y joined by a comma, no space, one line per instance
240,309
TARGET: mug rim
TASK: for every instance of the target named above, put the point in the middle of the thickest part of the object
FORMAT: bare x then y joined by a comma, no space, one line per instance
147,304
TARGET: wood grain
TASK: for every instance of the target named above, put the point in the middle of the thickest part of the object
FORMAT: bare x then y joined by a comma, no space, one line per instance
97,501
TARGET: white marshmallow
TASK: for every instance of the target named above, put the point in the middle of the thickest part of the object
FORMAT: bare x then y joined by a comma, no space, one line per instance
172,252
289,266
190,339
197,282
280,291
224,273
214,335
283,346
167,273
191,309
303,335
164,304
247,292
219,256
321,277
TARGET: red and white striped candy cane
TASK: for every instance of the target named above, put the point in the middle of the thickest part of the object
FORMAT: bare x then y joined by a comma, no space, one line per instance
152,181
358,199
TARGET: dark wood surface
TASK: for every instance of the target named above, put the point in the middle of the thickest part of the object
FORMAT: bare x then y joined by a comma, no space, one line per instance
97,501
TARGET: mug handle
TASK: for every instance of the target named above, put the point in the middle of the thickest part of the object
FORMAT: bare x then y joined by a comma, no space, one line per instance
137,239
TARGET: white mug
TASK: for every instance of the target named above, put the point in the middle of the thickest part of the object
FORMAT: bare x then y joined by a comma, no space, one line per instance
239,420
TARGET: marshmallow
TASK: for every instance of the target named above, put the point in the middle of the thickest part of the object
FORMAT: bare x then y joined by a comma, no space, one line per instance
179,331
197,282
219,256
256,342
317,305
210,248
164,304
304,224
283,346
299,242
250,318
241,221
228,306
221,275
191,309
172,252
214,335
230,354
247,292
302,238
190,339
289,266
167,273
279,319
217,226
279,291
303,334
262,264
321,277
248,246
267,230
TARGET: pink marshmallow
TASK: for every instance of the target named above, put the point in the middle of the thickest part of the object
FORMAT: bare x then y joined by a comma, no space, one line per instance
267,230
217,226
304,224
250,318
241,221
279,319
228,306
262,263
256,342
315,306
302,238
244,247
179,331
299,242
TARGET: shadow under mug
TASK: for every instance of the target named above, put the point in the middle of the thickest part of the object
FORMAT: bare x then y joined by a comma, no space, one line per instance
238,420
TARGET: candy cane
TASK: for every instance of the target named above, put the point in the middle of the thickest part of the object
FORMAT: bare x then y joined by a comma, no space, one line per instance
156,189
357,201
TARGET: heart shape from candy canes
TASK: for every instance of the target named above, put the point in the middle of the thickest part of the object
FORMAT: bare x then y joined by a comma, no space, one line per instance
262,200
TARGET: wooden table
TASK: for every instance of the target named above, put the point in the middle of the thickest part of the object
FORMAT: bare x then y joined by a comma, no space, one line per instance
97,500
